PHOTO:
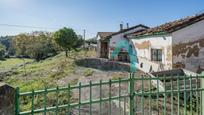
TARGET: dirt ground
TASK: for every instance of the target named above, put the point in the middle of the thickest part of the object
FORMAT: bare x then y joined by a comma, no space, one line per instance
147,105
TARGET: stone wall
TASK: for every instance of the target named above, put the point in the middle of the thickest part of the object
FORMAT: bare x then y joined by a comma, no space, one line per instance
7,99
103,64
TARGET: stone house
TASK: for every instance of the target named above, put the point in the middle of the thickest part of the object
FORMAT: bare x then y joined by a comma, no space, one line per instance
177,44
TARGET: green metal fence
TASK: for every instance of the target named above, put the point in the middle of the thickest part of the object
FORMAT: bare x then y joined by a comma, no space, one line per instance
174,95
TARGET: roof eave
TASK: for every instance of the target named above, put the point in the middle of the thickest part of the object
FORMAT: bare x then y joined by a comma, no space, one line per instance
148,35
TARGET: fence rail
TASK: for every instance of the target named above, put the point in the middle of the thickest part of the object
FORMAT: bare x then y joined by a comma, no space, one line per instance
133,95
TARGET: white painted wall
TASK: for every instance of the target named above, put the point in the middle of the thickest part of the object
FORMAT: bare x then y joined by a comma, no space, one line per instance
118,37
186,35
144,55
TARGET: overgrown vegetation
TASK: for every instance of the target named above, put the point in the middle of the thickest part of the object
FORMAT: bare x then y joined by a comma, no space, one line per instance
2,51
7,42
45,73
37,45
13,62
35,61
40,45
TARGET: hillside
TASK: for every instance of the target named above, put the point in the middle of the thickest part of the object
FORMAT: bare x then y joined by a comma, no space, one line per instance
46,73
57,70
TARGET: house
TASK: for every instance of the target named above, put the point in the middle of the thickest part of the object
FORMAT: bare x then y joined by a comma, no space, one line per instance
177,44
102,44
106,41
90,46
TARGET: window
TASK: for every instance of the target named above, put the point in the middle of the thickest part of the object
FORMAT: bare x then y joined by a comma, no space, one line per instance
156,54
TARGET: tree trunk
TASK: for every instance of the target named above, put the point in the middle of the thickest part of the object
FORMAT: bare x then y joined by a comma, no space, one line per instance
66,53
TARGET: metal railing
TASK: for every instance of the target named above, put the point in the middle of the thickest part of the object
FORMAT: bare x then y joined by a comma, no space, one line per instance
181,95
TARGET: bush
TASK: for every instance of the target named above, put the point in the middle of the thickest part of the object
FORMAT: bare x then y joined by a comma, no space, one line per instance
2,51
37,45
88,72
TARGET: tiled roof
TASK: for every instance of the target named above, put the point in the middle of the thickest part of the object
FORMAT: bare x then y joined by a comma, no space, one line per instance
104,35
128,29
172,26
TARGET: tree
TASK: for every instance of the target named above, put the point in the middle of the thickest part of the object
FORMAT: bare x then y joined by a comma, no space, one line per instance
67,39
20,43
37,45
2,51
7,42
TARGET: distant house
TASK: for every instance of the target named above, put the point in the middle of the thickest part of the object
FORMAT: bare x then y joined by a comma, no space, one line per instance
102,44
177,44
90,46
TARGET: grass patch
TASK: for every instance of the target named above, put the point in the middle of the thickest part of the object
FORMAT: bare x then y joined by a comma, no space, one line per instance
12,62
45,73
116,77
88,72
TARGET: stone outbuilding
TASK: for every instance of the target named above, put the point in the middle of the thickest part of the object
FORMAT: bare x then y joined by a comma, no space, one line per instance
7,99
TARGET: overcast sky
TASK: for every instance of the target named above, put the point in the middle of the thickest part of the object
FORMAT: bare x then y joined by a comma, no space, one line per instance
92,15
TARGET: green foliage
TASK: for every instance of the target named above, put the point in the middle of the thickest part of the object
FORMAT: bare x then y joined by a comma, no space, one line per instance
116,77
50,70
2,51
88,72
45,73
37,45
67,39
7,42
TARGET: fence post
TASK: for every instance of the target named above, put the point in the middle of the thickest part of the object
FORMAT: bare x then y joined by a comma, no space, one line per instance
131,94
7,99
17,101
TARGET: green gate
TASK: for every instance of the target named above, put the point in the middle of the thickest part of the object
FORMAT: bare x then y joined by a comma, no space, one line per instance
135,95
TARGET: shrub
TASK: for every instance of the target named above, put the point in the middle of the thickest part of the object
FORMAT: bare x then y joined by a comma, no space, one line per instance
88,72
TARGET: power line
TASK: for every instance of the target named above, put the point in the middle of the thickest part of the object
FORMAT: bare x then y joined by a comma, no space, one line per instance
26,26
37,27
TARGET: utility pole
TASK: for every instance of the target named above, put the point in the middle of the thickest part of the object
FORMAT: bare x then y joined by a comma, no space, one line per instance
84,37
84,41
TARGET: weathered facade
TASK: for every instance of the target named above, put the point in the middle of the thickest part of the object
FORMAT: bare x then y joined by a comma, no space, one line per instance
178,44
188,47
145,53
117,37
108,41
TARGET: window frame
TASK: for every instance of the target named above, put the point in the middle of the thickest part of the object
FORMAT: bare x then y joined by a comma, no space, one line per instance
156,54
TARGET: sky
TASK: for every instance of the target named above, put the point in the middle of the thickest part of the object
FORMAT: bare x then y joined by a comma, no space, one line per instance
92,15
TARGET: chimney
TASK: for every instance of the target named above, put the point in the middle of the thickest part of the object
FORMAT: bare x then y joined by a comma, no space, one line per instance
121,27
127,25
